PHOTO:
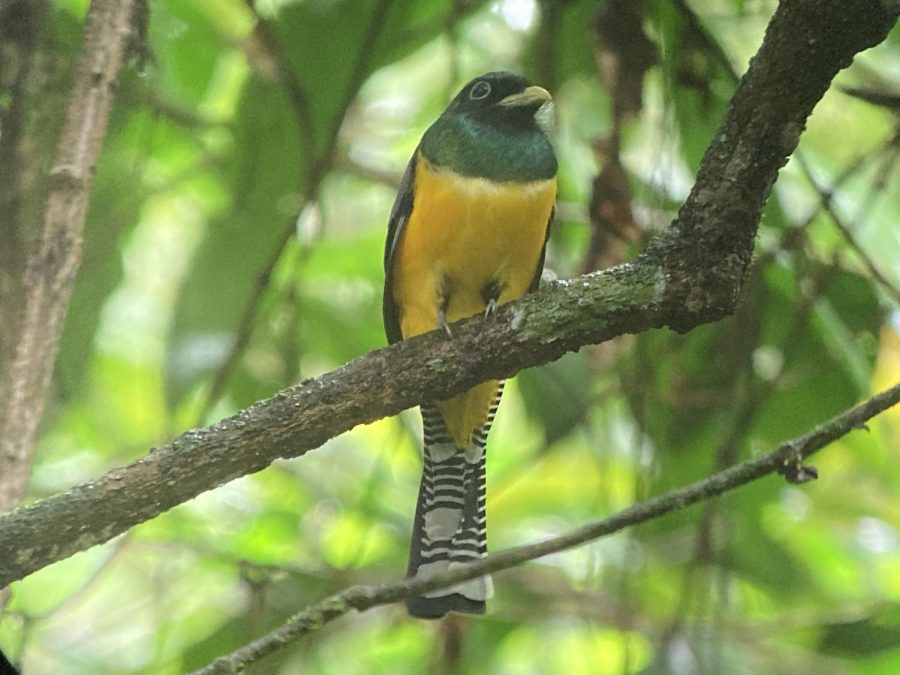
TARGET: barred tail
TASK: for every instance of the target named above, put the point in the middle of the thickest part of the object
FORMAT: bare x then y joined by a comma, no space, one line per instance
451,525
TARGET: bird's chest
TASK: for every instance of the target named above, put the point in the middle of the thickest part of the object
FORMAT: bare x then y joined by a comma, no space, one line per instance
464,234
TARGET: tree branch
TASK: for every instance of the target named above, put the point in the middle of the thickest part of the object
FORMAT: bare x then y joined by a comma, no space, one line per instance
54,259
785,459
689,275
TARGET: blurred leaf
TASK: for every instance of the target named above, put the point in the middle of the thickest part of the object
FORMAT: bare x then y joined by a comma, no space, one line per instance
818,379
697,84
876,633
754,555
558,395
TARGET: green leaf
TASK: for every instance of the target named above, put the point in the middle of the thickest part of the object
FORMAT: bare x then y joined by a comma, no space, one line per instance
558,395
874,634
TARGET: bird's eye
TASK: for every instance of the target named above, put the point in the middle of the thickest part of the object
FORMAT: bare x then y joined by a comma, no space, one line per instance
480,90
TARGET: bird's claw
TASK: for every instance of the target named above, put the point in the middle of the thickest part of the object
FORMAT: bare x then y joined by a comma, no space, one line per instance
442,323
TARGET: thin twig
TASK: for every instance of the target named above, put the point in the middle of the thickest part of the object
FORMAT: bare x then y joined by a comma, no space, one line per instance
695,23
827,203
296,92
789,454
355,82
299,98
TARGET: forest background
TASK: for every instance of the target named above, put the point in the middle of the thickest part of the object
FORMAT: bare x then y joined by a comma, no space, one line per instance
233,247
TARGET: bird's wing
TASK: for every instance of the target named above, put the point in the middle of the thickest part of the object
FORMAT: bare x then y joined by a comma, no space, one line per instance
400,212
536,280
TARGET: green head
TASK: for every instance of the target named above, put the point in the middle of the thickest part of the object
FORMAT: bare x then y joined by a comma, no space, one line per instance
489,131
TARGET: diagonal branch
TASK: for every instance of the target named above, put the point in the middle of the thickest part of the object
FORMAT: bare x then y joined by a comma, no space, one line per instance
689,275
785,459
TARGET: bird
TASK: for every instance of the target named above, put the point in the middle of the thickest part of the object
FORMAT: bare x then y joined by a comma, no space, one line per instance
467,232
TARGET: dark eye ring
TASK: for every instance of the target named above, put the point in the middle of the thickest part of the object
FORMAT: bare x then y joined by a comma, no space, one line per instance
480,90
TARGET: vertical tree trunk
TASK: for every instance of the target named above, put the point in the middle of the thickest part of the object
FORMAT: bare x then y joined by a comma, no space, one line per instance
42,213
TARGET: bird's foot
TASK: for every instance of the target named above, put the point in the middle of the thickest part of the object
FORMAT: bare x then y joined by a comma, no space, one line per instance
490,293
442,322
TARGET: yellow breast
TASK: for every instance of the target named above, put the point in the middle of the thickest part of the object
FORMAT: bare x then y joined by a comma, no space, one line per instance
463,234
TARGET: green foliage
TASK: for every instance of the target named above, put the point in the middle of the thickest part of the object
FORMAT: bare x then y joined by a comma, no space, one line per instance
215,187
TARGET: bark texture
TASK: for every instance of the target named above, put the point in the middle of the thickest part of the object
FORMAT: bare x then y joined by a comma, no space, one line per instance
35,296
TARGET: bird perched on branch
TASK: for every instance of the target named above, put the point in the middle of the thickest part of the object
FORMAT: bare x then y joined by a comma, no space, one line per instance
467,233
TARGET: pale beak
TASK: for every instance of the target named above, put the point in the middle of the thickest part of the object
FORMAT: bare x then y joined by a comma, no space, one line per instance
532,96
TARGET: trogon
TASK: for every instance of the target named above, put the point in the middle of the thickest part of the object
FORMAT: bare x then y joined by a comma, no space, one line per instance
467,232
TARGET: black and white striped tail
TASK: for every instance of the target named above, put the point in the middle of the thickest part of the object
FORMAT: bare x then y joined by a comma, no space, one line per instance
451,524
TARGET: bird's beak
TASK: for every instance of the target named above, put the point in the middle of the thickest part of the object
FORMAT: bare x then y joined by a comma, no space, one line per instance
532,96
